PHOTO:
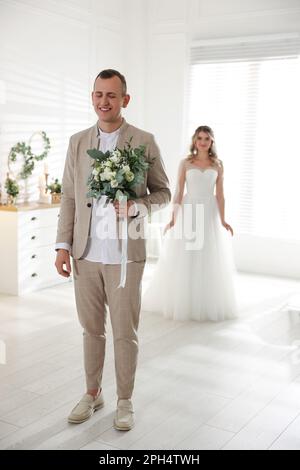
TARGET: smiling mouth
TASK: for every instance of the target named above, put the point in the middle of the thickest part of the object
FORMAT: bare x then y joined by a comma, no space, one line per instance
105,110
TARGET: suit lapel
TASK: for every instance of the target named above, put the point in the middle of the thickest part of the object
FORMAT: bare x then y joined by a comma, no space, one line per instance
94,140
91,143
123,136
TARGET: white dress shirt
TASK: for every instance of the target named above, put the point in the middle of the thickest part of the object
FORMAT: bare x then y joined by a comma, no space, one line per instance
103,245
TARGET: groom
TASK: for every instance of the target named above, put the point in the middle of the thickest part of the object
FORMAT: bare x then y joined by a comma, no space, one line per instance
97,258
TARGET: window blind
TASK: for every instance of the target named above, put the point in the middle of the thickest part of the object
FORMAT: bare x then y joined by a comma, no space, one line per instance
248,91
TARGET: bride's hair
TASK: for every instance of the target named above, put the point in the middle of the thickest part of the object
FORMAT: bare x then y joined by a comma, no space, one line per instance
212,153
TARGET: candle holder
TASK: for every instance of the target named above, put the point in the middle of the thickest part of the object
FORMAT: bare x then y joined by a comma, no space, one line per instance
44,198
46,179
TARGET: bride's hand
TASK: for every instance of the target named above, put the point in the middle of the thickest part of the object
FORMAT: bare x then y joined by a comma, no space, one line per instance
228,227
168,226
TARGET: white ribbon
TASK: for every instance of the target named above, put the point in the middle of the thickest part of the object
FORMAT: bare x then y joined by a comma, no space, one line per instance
124,241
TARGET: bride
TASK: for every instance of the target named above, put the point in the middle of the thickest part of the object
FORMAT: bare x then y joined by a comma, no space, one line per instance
193,278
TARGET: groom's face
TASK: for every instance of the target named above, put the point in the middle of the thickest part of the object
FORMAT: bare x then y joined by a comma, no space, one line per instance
108,99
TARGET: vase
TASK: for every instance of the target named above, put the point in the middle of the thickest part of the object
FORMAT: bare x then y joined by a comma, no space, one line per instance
11,200
26,192
55,198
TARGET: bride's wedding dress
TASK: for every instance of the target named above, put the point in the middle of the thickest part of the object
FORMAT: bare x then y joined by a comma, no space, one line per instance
193,278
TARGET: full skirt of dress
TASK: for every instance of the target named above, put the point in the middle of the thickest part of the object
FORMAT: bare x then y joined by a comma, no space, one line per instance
193,282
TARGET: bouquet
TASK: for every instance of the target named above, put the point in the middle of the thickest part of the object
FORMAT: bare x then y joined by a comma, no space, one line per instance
116,173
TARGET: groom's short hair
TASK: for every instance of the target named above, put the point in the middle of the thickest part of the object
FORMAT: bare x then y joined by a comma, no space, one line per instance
110,73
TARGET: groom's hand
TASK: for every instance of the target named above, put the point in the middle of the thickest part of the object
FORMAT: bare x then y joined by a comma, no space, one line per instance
63,258
123,210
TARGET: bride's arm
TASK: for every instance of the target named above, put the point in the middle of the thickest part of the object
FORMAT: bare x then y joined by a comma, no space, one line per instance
178,196
221,199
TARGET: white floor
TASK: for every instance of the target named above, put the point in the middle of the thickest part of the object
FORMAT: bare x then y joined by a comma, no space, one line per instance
233,385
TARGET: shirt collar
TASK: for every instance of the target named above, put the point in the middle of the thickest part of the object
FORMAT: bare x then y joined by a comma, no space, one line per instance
107,135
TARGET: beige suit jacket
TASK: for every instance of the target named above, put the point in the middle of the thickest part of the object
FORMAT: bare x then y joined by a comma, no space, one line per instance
76,208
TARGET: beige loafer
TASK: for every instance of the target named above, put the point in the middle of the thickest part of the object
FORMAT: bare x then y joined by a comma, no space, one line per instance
124,417
85,408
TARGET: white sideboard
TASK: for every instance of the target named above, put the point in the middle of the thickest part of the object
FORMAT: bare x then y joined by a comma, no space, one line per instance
27,254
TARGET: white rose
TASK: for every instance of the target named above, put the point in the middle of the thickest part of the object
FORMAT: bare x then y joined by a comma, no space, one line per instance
106,175
114,183
126,168
111,175
129,176
116,154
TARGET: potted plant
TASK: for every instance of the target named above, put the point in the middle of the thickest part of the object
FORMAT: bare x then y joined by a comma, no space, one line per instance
55,191
12,190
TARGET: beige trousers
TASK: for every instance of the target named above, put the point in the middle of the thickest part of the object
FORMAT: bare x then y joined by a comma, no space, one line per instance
96,287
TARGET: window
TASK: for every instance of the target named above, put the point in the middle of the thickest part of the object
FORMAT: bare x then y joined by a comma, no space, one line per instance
248,91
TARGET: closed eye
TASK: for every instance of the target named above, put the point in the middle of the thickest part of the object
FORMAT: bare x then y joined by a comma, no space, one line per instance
110,95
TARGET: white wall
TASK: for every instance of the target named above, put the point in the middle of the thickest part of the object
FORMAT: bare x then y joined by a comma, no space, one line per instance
172,27
50,53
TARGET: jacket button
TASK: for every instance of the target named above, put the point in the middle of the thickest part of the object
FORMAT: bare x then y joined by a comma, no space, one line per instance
89,204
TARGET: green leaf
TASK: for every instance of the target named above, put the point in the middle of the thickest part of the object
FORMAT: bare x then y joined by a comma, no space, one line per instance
119,195
119,176
94,153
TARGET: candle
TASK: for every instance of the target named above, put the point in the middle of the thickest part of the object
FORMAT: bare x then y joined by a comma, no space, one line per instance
42,181
46,170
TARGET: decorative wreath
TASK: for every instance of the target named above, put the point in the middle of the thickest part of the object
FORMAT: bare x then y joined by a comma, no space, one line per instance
29,158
